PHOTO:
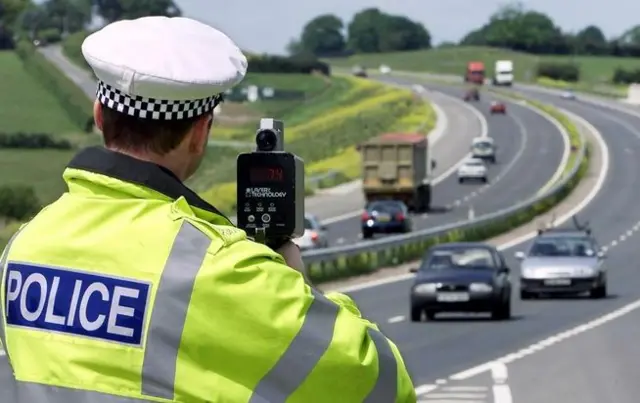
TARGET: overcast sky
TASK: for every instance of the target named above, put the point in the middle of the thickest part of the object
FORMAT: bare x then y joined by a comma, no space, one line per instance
268,25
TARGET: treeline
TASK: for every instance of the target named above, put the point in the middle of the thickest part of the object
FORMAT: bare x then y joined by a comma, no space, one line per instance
370,31
512,27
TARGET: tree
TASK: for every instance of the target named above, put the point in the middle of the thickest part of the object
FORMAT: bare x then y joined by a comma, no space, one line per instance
322,36
372,31
114,10
514,27
590,41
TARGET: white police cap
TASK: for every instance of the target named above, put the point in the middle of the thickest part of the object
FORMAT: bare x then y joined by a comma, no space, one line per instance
163,68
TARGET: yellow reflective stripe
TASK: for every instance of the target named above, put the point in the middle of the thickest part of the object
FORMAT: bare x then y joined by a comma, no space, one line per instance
3,268
302,355
386,388
170,311
28,392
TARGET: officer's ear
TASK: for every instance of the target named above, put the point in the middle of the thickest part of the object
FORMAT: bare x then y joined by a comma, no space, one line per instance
200,133
97,115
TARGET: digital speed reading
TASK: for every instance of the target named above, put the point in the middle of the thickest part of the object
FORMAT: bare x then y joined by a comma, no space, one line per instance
266,174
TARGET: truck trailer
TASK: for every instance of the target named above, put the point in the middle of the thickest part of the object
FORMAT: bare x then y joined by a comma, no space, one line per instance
503,73
396,166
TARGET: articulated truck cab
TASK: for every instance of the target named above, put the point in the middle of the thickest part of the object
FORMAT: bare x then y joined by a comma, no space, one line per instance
396,166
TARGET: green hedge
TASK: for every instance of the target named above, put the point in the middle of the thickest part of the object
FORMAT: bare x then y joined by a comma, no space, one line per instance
18,202
287,65
33,141
72,99
559,71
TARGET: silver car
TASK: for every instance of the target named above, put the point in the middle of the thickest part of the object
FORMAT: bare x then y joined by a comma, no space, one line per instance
315,234
563,262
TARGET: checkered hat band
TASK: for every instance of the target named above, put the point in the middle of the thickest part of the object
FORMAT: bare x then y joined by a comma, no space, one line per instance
154,109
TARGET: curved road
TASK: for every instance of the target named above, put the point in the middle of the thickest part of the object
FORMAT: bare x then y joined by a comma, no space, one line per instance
530,151
436,350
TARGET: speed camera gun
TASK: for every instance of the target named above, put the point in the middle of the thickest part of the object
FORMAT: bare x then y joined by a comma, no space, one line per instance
270,188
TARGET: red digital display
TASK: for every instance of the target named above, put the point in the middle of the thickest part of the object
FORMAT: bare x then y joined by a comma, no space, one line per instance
266,174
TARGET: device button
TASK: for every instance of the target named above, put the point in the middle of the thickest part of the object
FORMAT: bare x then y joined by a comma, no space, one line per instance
266,218
251,218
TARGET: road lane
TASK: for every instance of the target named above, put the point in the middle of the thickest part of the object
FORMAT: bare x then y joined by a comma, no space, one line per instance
438,349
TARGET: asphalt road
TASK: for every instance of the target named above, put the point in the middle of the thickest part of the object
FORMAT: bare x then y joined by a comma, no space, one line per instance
530,150
437,350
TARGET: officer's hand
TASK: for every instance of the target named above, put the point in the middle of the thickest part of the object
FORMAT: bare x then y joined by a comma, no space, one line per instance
292,255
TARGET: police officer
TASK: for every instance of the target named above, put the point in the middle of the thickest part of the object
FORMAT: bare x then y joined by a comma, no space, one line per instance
130,287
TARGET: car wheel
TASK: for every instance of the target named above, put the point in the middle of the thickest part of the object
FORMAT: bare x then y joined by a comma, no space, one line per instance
502,311
600,292
525,295
485,180
460,180
367,235
416,314
431,315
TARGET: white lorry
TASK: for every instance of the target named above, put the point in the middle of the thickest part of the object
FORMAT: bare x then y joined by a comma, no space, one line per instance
503,73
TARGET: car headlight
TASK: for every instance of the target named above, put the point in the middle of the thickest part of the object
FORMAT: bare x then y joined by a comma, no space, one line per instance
527,273
427,288
587,271
480,287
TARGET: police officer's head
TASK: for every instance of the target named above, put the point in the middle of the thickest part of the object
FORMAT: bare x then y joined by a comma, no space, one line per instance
159,82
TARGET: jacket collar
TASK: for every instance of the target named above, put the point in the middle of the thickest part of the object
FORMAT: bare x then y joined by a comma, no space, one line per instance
122,167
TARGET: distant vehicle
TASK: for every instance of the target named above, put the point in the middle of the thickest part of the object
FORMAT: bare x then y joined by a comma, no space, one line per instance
568,94
563,261
461,277
498,107
472,94
315,234
472,169
384,217
384,69
359,71
397,166
484,148
503,73
475,73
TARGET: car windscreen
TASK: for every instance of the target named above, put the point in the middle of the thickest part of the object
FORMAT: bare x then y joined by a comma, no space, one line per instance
308,224
458,258
562,246
483,145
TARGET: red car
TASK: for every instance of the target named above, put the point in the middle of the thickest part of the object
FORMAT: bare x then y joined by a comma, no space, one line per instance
498,107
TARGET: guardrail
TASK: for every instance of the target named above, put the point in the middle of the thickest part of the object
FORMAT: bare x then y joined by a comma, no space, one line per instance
367,256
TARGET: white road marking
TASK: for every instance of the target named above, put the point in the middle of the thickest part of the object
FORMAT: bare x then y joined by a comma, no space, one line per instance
441,381
614,243
550,341
465,388
629,233
456,396
340,241
396,319
622,238
424,389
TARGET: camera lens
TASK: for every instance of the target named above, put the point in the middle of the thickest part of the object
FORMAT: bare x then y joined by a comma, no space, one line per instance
266,140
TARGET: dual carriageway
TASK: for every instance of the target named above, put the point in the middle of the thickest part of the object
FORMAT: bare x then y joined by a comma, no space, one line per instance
556,350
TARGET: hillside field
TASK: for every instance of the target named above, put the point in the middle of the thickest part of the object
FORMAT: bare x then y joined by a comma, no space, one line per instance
454,60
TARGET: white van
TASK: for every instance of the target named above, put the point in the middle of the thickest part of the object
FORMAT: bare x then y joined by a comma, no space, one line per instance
484,148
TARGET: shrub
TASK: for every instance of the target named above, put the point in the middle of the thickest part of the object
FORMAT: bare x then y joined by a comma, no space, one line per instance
51,35
72,99
33,141
559,71
72,48
287,65
622,76
18,202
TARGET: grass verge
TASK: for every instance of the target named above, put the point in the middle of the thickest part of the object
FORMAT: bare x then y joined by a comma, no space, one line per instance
26,105
352,265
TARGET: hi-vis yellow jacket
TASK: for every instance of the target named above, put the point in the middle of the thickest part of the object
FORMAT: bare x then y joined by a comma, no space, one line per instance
130,287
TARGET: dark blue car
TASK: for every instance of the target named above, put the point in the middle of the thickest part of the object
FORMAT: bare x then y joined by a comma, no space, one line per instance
461,277
385,217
